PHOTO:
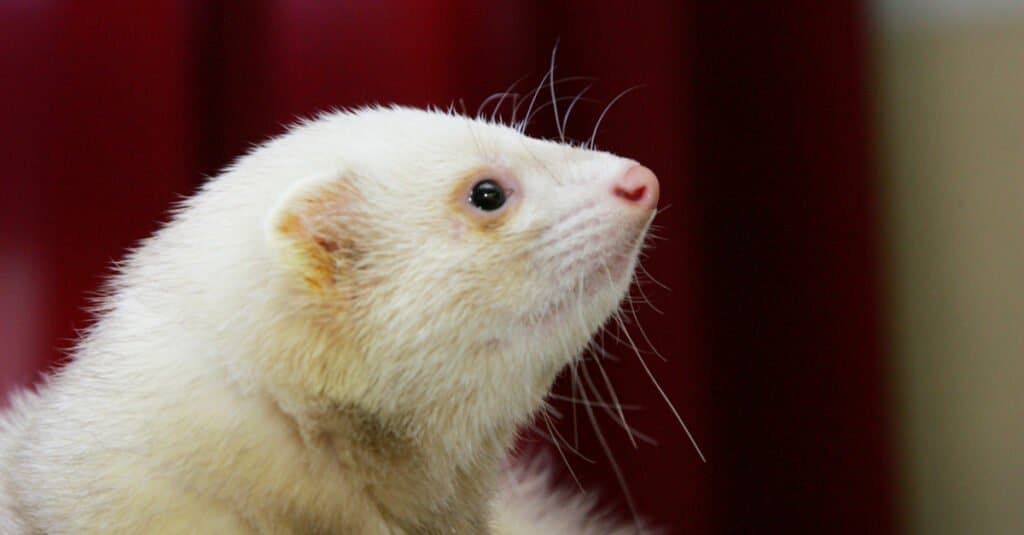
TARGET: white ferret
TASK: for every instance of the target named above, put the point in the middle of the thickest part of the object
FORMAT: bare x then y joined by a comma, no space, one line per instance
341,333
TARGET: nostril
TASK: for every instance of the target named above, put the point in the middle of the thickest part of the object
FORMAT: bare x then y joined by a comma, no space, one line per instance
637,186
631,194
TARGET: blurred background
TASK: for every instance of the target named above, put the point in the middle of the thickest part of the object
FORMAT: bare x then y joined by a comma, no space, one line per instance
840,295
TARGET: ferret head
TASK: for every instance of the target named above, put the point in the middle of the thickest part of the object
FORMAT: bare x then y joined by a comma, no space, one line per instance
437,261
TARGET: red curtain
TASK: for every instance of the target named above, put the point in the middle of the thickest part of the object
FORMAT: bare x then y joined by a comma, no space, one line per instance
790,286
754,118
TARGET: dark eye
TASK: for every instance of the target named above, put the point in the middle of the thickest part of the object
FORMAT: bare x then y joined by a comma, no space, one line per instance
487,195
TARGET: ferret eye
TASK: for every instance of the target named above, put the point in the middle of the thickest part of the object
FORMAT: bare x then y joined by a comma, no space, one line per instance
487,195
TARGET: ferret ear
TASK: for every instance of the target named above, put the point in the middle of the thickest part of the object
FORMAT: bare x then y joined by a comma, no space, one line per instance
306,231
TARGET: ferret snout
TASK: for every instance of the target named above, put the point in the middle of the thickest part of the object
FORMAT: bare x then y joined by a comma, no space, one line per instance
638,187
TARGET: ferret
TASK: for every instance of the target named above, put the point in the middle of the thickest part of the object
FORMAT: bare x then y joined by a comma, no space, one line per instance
340,333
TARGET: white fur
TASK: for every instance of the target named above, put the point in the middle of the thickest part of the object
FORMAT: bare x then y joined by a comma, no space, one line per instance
527,505
323,340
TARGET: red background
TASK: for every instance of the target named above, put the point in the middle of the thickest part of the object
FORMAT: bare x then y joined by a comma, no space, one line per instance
754,116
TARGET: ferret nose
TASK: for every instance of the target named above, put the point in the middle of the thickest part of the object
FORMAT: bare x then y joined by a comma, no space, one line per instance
637,186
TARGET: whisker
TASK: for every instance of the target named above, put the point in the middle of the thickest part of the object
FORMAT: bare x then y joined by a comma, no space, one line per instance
501,100
664,396
619,476
606,354
597,125
617,417
643,332
558,447
575,385
544,106
577,401
642,299
533,99
503,95
614,464
554,101
568,112
572,449
651,278
533,94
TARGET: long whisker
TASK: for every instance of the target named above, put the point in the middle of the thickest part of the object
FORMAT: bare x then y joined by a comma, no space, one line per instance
614,464
558,447
617,417
554,101
501,99
607,381
542,107
577,362
533,99
574,379
578,401
573,450
648,276
640,327
597,125
619,476
568,111
532,94
664,396
501,96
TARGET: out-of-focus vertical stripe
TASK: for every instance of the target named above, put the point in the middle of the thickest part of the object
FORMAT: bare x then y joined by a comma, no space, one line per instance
786,191
27,86
23,332
950,80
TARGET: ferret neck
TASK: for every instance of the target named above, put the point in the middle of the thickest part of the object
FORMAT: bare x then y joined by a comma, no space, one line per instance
417,477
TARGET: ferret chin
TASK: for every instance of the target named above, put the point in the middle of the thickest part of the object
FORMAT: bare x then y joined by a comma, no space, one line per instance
341,333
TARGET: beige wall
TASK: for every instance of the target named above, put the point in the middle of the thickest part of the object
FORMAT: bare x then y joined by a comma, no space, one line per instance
950,96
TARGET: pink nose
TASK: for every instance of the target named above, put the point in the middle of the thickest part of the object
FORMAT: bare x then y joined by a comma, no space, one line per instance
637,186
